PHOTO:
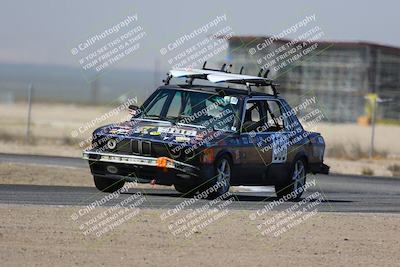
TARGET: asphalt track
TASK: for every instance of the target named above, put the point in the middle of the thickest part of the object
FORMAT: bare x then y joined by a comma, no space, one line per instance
339,193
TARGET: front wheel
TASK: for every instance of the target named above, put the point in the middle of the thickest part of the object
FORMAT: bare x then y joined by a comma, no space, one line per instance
293,187
221,182
107,185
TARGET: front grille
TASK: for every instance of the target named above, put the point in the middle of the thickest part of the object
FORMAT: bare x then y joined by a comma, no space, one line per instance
146,147
123,146
140,147
135,147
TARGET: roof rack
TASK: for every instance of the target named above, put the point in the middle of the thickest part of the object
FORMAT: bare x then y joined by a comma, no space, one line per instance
223,75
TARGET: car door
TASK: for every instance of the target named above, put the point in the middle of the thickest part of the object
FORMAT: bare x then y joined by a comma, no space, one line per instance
252,165
273,138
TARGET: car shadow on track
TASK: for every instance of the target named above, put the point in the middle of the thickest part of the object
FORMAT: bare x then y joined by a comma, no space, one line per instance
248,197
251,198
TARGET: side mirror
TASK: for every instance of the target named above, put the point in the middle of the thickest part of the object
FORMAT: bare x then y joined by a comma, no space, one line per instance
134,110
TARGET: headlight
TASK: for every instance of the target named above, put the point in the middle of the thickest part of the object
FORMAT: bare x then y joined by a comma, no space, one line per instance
112,144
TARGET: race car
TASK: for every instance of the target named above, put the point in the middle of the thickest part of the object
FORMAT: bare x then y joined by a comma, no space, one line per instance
208,137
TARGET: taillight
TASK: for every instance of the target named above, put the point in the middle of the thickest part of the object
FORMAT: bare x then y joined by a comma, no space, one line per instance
208,155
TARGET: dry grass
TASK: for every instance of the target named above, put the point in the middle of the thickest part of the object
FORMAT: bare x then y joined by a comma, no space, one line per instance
69,141
35,140
336,151
344,139
352,151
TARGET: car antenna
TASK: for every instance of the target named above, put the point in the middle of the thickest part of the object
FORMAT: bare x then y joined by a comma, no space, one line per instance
204,65
241,70
260,72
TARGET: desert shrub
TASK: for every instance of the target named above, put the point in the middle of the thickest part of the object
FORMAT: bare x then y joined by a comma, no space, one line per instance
69,141
336,151
395,169
367,171
357,152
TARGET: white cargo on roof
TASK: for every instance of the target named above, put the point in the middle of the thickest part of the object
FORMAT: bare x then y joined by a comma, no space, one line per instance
217,76
178,73
231,77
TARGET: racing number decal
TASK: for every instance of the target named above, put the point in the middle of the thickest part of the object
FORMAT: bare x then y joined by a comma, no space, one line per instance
279,148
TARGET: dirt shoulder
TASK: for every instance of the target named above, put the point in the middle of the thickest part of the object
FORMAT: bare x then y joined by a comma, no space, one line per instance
46,236
17,173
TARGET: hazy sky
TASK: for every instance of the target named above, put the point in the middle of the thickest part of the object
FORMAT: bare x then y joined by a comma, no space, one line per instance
44,31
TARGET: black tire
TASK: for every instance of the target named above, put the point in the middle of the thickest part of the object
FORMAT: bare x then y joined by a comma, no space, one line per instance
293,185
222,174
107,185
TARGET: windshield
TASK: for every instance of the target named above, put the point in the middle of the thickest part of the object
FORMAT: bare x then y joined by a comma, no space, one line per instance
198,108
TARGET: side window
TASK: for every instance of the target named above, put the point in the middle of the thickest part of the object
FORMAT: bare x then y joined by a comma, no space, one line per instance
292,122
253,116
275,120
253,112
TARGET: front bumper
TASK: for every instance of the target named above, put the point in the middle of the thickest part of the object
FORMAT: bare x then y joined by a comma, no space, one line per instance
142,162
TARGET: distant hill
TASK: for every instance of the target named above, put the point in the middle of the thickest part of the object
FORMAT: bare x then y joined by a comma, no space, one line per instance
67,84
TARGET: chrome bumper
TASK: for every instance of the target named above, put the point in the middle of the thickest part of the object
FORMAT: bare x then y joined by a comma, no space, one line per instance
161,162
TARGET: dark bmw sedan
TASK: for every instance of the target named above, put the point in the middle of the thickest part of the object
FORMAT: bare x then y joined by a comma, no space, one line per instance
199,137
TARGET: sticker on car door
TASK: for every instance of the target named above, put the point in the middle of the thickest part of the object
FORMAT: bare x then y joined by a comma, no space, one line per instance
279,148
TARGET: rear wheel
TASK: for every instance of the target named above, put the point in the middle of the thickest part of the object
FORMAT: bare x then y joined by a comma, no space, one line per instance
107,185
293,187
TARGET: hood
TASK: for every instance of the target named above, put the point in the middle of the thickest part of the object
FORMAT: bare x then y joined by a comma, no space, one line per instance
158,131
